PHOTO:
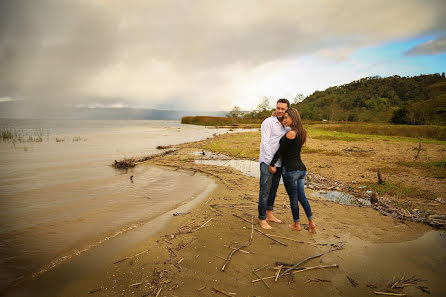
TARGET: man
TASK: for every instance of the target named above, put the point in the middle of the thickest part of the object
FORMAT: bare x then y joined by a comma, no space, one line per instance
271,132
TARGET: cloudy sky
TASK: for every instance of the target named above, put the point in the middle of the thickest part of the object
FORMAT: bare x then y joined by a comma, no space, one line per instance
208,55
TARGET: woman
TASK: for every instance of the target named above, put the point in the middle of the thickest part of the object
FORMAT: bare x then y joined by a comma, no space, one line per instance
293,170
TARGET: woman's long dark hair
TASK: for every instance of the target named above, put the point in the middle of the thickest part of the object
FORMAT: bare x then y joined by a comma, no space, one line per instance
297,124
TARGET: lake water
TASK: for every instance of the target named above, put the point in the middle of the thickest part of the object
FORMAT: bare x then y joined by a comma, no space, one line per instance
60,197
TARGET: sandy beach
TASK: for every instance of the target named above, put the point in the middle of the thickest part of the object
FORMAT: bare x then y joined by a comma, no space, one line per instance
366,252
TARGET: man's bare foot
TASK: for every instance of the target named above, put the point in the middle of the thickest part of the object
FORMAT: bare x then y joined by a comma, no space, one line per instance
271,218
311,226
295,226
274,219
264,224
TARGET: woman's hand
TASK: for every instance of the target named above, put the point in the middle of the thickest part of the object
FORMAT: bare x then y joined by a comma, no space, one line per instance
272,170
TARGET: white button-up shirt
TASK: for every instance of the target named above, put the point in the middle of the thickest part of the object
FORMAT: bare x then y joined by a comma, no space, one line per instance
271,132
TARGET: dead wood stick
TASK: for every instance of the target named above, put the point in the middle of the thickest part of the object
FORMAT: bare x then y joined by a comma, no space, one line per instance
255,273
139,253
159,291
122,260
318,280
389,294
135,284
243,251
278,272
222,292
257,269
252,227
95,290
352,281
396,283
284,263
299,241
267,235
239,248
300,270
308,259
203,224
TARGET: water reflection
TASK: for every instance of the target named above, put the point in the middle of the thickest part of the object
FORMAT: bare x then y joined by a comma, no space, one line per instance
342,198
251,168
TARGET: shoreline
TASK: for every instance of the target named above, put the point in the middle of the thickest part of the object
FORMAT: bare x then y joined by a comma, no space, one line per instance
189,263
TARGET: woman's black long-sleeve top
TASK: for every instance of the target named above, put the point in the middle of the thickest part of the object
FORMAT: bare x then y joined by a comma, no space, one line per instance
289,150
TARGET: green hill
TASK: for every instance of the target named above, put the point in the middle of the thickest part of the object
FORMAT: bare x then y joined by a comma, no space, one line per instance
401,100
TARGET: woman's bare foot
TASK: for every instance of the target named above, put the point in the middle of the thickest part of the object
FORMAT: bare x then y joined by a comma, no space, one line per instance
271,218
264,224
311,226
295,226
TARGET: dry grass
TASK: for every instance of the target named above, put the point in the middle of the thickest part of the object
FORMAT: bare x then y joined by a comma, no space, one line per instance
430,132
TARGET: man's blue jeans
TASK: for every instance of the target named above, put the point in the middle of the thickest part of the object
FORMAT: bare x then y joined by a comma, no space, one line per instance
294,182
268,188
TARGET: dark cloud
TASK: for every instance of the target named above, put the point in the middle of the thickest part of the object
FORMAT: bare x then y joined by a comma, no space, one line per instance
48,48
432,47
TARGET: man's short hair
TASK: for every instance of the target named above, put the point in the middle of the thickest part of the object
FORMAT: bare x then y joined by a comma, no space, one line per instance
283,100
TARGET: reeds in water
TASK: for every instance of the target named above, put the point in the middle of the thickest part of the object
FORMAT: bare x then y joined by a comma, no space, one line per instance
23,135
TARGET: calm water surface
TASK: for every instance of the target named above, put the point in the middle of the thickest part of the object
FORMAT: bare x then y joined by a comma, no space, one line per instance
60,197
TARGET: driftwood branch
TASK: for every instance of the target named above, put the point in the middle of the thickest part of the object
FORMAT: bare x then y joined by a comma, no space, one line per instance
300,270
389,294
126,258
203,224
255,273
300,241
223,292
352,281
240,247
308,259
267,235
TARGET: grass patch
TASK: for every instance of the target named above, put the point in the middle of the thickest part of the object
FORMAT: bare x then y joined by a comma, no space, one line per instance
237,145
337,137
426,132
309,150
321,132
435,169
399,190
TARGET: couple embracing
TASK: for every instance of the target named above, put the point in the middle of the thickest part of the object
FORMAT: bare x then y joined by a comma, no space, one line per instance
282,137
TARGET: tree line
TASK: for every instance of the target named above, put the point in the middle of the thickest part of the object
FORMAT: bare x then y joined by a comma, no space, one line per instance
417,100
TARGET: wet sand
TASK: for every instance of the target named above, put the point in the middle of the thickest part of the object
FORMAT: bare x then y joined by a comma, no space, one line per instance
376,250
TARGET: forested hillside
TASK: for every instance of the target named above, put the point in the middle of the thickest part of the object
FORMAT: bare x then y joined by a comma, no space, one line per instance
401,100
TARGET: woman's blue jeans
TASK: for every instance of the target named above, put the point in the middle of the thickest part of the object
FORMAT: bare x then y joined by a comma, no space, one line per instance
294,182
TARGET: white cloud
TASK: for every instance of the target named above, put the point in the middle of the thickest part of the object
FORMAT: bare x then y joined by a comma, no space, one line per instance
6,99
